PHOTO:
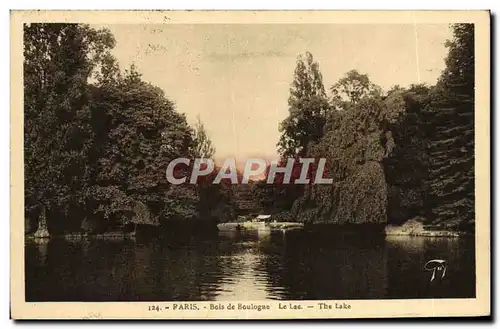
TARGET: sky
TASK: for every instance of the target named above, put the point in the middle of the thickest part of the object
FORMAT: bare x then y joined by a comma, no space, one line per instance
237,77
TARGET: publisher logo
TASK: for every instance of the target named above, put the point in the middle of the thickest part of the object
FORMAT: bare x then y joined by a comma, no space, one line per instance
438,268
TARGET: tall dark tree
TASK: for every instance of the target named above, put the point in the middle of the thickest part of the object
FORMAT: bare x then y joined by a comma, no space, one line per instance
353,148
141,135
59,59
98,142
307,106
406,165
215,200
450,130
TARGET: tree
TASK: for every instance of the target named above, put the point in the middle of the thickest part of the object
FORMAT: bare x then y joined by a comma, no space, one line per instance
307,106
214,200
59,59
141,135
353,147
351,88
450,134
406,162
98,141
203,147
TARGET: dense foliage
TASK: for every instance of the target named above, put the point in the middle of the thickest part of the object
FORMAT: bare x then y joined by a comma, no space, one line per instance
98,141
307,107
394,156
59,59
450,127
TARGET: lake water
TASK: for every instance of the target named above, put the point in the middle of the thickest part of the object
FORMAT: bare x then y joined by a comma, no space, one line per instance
296,265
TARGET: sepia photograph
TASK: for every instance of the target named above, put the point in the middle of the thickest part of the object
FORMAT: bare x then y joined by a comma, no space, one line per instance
250,164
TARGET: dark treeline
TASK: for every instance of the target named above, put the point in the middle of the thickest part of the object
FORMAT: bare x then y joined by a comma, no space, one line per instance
404,154
97,141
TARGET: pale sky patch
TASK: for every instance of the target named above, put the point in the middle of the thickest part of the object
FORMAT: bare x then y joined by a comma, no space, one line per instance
221,72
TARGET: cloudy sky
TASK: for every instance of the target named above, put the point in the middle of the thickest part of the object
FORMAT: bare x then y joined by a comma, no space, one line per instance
237,77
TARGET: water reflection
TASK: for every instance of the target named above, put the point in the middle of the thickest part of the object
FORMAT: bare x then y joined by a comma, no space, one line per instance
408,277
336,267
247,266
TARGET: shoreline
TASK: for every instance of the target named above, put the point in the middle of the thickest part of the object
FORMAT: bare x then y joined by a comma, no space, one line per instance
388,232
80,236
417,228
432,234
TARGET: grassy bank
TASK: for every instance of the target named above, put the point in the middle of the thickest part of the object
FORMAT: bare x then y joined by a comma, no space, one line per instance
417,228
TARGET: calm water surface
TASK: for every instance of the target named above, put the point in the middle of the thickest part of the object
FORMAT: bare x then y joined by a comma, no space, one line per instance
247,266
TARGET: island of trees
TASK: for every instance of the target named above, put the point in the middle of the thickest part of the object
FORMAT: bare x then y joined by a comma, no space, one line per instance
97,141
406,154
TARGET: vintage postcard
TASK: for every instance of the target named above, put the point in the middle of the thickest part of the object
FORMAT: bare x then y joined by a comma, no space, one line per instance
250,165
